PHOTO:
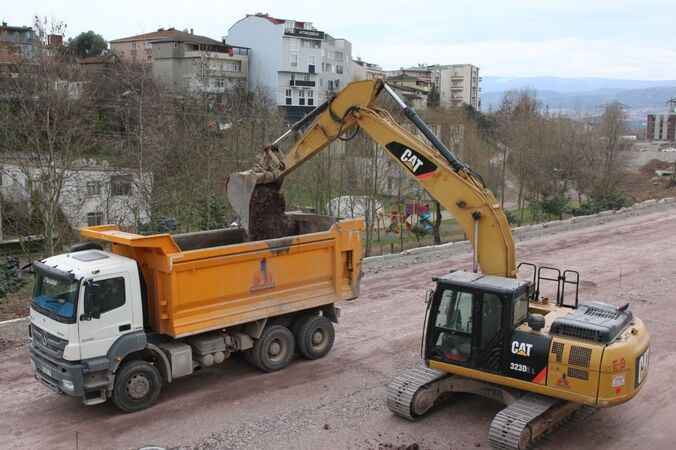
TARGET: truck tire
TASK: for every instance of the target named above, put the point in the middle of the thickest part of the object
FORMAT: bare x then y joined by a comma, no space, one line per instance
315,337
273,350
137,386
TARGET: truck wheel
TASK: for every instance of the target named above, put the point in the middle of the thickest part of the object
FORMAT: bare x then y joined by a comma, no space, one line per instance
137,386
273,350
315,337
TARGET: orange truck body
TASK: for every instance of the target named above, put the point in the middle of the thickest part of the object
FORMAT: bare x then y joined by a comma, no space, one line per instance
191,291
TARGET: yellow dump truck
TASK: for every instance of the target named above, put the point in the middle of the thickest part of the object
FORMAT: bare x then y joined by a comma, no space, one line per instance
120,323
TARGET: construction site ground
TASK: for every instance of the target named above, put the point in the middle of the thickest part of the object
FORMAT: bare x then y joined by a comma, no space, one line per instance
339,401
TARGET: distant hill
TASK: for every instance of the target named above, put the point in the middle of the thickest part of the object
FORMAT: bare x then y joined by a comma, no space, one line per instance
566,85
583,96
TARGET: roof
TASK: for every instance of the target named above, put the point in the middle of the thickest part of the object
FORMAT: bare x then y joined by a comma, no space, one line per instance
491,283
170,35
6,27
274,20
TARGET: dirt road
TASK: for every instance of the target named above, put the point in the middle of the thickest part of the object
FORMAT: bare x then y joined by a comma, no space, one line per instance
338,402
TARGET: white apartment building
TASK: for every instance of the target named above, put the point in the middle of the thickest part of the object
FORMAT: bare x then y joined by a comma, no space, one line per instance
93,193
296,64
457,84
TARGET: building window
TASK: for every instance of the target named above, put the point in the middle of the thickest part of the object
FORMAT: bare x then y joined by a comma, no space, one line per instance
147,44
133,45
94,218
293,58
93,188
310,99
120,185
339,68
294,44
301,97
288,97
339,56
232,66
219,82
288,25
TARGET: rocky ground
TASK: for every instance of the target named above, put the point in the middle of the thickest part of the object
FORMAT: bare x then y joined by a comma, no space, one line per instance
338,402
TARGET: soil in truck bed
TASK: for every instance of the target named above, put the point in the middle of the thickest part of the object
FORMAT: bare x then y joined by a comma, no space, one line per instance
266,213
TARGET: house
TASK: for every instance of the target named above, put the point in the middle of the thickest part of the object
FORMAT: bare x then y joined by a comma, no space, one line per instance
93,192
298,65
191,63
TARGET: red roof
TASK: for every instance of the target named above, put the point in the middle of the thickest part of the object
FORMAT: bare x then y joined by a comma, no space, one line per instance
269,17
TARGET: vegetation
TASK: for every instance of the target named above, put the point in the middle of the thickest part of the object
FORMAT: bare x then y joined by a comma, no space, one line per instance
87,44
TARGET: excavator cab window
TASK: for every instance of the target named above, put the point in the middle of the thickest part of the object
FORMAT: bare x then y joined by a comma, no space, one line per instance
451,336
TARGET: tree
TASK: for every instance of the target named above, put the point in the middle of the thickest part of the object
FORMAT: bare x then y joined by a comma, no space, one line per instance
87,44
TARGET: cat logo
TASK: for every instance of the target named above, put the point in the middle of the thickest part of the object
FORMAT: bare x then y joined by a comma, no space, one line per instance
413,161
521,348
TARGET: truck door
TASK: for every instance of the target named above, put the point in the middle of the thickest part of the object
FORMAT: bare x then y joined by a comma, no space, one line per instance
450,332
104,315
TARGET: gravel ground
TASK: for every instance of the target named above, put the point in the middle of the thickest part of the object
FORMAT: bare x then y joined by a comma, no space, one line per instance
338,402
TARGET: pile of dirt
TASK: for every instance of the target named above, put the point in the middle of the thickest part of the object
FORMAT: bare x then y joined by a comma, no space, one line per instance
266,213
655,164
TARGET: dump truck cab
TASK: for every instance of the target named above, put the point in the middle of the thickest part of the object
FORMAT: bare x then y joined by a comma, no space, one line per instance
85,305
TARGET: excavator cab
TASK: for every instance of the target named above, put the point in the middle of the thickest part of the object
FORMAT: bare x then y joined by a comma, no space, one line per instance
473,321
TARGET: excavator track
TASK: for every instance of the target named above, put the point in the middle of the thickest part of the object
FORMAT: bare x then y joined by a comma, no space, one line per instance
522,423
403,393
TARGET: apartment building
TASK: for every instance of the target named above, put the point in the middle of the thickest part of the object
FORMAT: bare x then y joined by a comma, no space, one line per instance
362,70
198,64
661,127
296,64
15,43
457,84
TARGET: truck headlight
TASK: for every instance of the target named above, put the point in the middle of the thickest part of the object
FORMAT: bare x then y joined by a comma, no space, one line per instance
67,385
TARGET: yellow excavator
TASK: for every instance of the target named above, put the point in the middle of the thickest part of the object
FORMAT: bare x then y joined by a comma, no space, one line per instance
486,331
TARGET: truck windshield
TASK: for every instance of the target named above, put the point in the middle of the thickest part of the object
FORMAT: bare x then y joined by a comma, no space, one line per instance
55,298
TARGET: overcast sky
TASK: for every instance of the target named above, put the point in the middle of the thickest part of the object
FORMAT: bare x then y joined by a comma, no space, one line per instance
632,39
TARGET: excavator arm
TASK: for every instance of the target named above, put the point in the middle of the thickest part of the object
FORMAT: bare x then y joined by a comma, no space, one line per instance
448,180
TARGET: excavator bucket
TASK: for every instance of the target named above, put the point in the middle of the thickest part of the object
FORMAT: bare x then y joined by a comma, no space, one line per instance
240,187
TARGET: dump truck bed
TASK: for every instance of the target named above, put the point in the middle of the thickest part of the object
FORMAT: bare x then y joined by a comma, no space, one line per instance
203,281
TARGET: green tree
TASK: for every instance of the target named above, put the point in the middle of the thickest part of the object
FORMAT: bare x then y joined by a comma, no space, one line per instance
87,44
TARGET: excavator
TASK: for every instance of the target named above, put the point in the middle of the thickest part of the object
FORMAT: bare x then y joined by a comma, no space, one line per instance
487,331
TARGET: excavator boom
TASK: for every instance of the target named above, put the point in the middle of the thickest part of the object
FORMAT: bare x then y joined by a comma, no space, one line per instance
446,178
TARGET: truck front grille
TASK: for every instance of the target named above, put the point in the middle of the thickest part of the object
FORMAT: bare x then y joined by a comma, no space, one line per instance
45,341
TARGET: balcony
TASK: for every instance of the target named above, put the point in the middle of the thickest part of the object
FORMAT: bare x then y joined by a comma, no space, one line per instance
302,83
302,32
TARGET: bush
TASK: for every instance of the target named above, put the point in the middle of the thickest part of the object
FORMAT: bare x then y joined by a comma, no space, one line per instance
10,281
603,203
554,206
